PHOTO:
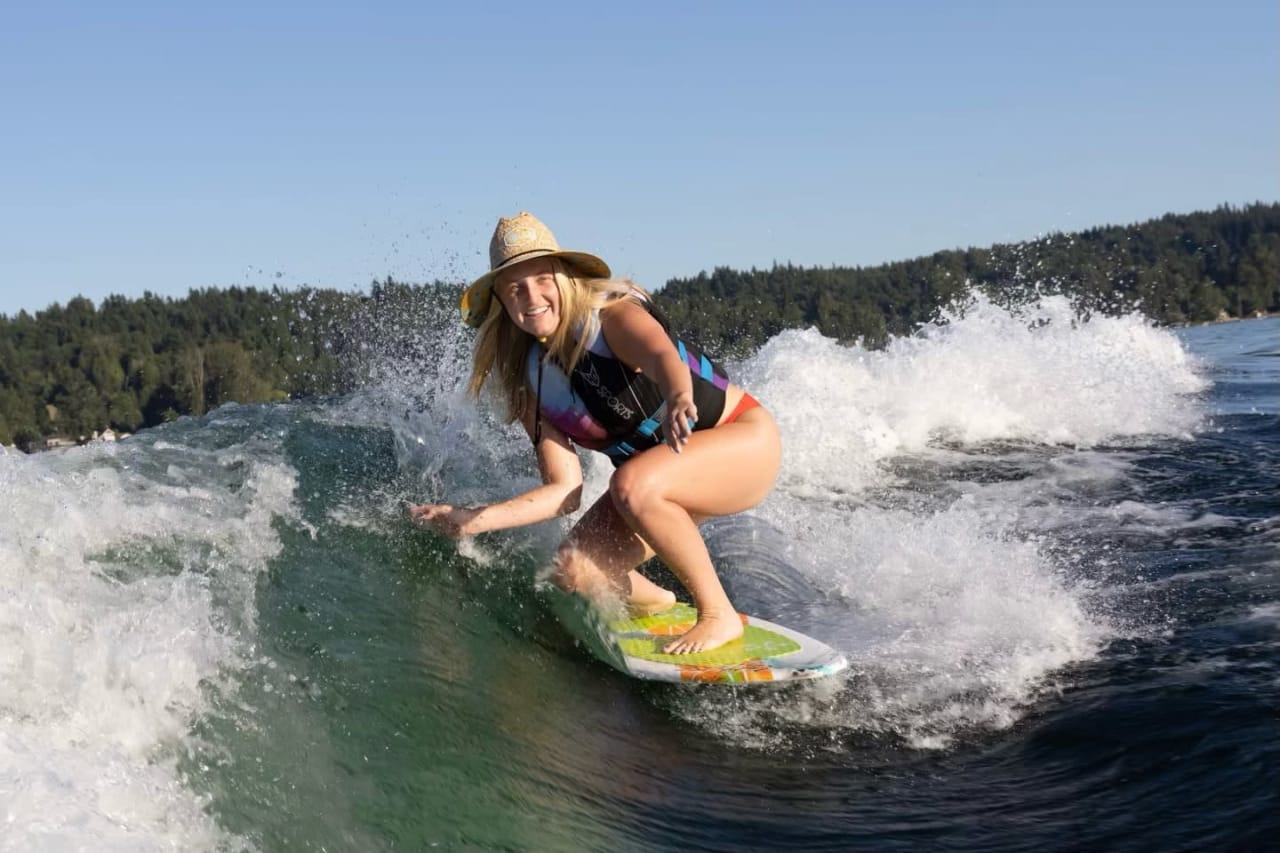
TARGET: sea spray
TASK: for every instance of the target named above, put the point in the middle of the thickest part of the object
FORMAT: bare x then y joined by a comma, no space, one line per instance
935,543
127,574
1037,375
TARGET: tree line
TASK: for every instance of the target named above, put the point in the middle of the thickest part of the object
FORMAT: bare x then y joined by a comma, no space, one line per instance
132,363
1177,269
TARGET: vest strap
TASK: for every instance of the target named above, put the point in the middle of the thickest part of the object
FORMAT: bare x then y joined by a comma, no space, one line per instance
642,435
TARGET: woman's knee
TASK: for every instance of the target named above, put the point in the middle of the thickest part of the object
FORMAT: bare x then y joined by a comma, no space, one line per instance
584,571
633,489
568,569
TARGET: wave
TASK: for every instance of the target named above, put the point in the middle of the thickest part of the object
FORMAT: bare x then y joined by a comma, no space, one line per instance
126,588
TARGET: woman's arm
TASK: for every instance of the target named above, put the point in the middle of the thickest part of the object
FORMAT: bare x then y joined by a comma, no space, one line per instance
640,341
559,494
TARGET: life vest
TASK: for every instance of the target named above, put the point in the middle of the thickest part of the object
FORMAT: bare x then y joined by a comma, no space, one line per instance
607,406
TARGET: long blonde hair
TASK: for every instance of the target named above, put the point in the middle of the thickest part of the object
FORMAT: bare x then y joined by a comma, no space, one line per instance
502,349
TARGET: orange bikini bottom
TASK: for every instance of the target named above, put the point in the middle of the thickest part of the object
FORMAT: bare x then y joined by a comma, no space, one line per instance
747,402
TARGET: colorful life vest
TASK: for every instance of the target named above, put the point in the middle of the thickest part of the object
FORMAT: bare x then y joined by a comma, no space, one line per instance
607,406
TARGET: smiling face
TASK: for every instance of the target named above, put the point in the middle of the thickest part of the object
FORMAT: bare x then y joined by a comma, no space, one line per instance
529,294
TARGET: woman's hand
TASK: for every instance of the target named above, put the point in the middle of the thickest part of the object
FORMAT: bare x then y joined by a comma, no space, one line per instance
450,520
682,414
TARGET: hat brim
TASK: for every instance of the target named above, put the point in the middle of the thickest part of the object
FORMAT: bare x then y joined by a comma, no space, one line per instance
476,299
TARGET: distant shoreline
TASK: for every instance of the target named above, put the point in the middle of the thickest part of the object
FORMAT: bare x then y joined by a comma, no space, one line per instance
1261,315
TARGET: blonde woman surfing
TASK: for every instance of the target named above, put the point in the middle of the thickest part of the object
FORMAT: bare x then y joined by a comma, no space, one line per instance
583,359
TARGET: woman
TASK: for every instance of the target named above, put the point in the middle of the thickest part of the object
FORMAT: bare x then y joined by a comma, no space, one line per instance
584,359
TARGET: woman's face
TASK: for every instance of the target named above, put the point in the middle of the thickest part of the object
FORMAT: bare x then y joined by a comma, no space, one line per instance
529,294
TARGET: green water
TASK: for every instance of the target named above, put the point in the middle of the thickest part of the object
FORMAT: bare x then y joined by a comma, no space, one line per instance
401,697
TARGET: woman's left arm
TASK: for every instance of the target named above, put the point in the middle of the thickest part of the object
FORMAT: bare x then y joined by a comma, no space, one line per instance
641,342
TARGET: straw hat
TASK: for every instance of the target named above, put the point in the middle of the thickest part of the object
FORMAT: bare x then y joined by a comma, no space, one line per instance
521,238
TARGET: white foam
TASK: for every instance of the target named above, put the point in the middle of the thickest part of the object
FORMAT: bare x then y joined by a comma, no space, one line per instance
958,615
1036,375
1267,614
950,621
122,590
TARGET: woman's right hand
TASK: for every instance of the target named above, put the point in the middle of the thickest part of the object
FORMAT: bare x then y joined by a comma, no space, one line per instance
444,518
680,419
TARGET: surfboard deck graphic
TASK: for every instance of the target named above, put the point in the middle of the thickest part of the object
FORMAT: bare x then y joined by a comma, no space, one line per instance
766,652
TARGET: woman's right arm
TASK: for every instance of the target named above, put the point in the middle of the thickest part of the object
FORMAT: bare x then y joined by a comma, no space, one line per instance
559,494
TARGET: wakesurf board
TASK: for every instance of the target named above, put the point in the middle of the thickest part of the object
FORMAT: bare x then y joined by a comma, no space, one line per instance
766,652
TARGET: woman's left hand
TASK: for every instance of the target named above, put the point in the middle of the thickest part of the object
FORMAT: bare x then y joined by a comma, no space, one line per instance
678,425
444,518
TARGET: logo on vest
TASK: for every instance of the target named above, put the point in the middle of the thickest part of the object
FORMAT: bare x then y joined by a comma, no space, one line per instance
592,377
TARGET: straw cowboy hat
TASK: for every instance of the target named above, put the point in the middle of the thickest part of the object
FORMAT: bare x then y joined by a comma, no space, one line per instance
521,238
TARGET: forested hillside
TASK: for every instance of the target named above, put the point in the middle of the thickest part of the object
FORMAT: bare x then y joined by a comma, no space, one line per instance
130,363
1176,269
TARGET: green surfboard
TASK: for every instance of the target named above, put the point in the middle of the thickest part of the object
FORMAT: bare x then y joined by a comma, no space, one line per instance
765,653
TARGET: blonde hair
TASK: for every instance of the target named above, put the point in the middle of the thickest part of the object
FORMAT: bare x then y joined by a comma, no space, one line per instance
502,349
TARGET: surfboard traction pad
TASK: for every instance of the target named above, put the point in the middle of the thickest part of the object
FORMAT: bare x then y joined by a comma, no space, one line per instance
765,652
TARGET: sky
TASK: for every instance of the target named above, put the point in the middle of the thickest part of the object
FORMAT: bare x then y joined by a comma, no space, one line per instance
168,146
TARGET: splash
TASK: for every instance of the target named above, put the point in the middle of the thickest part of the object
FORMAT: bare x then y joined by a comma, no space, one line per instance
126,576
1033,375
920,492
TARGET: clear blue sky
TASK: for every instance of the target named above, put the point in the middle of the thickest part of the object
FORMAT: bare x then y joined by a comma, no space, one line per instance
165,146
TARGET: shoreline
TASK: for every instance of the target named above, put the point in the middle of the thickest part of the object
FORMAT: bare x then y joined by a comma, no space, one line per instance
1261,315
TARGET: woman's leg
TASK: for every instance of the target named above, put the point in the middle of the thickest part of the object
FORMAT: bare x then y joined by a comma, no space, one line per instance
661,493
598,560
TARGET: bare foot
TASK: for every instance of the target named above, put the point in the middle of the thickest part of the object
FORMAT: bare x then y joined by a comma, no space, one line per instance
712,630
648,605
647,597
